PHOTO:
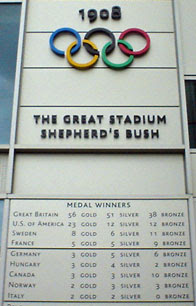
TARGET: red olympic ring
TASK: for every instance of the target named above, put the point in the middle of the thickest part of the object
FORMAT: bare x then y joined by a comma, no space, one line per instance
135,53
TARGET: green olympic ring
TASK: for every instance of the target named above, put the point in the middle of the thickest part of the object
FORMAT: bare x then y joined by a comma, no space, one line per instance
113,65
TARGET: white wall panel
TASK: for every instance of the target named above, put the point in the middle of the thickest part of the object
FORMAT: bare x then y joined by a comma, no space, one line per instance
3,171
38,53
188,30
61,13
58,87
114,175
194,205
193,159
163,129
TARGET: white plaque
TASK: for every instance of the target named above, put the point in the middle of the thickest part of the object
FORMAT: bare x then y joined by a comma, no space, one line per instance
100,127
99,250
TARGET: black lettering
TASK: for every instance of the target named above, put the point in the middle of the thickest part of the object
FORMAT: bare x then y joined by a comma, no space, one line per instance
137,119
75,119
45,119
112,119
94,134
43,134
127,120
116,134
86,134
36,117
52,134
61,133
83,119
119,117
67,119
128,134
103,133
161,119
151,120
137,134
77,134
68,133
100,117
146,134
54,119
91,120
155,134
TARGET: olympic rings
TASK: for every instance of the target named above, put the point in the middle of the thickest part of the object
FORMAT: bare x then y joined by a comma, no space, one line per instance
59,31
91,48
131,52
86,65
113,65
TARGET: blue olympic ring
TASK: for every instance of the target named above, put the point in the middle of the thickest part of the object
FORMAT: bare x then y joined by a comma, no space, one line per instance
66,30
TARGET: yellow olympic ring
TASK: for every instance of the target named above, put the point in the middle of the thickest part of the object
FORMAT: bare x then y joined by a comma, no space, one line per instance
77,65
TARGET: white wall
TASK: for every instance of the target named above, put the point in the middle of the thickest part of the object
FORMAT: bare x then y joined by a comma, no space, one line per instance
188,30
93,175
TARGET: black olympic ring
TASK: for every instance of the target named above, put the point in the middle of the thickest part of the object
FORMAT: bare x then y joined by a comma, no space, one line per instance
104,31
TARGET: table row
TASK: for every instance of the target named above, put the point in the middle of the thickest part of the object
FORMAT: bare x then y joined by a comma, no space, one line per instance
98,275
99,224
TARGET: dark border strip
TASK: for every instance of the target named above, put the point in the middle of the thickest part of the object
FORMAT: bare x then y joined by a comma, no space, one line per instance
108,302
50,32
104,249
58,68
104,106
